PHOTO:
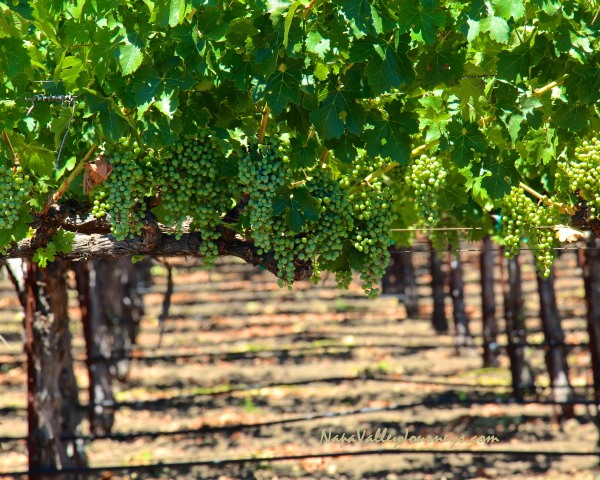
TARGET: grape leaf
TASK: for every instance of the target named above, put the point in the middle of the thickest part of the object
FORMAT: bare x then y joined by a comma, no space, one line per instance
426,20
497,27
441,65
113,123
210,25
572,118
388,139
19,230
61,242
465,139
339,112
298,205
344,147
282,88
502,175
388,68
130,58
514,63
14,58
318,45
453,192
359,13
169,12
509,8
33,155
303,154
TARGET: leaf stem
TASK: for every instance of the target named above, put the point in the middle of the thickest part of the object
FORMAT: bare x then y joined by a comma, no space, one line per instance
65,185
425,147
546,88
324,155
372,176
136,134
383,170
263,124
546,201
309,7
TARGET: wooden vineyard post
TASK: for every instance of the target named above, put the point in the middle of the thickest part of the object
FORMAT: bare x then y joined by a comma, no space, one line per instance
591,275
388,281
438,319
52,394
406,271
516,333
399,279
33,447
457,292
134,277
98,349
556,357
488,304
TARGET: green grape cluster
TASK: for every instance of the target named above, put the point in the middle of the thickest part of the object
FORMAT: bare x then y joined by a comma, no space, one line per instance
522,218
373,216
15,188
583,174
427,176
192,190
331,230
121,195
262,172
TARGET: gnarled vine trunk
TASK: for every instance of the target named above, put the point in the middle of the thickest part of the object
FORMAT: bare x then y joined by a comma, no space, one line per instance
98,349
112,306
52,394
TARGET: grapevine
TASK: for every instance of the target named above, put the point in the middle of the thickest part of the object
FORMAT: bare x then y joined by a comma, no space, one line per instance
374,94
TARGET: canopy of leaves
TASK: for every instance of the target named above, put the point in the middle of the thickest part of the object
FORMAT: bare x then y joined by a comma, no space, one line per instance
501,88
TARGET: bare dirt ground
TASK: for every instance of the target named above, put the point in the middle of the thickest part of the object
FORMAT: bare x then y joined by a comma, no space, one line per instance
259,354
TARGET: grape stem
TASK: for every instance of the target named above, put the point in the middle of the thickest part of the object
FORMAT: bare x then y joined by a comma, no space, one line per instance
546,88
131,123
425,147
309,7
324,155
263,124
65,185
546,201
15,157
383,170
